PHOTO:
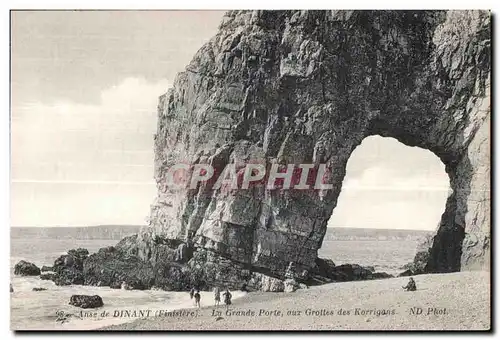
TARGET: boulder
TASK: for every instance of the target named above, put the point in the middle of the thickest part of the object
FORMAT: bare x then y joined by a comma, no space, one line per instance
68,261
25,268
47,269
73,260
381,275
110,267
125,286
69,276
86,301
407,272
68,268
11,288
326,271
80,253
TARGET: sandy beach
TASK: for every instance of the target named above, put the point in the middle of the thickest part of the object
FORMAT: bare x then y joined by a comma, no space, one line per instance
32,310
456,301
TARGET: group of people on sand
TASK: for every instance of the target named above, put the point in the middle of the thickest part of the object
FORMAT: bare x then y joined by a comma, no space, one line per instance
195,293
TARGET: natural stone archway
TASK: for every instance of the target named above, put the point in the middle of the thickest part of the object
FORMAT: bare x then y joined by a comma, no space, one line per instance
308,87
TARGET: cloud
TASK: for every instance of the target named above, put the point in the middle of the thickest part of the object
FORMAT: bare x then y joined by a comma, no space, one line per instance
75,164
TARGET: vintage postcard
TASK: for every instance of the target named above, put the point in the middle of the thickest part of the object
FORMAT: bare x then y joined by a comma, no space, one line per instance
250,170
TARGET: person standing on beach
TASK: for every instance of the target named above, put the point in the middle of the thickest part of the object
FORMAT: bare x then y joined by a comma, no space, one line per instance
197,298
217,296
191,293
227,298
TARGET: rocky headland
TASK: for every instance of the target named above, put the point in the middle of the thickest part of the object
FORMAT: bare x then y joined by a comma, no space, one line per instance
292,87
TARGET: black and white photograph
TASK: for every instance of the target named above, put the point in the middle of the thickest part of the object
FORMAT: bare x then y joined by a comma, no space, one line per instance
250,170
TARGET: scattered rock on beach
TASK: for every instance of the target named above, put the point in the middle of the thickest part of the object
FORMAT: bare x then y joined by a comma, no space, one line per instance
11,288
121,267
25,268
345,272
418,265
86,301
69,267
111,267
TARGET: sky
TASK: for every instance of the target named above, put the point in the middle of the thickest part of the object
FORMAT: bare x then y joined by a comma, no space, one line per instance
85,87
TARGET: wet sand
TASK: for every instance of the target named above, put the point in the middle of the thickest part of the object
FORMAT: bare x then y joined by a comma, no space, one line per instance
39,310
456,301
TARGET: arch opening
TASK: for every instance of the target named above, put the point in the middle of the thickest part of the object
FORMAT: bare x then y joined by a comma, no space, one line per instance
393,197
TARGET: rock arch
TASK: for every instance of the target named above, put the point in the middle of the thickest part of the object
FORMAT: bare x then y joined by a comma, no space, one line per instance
308,87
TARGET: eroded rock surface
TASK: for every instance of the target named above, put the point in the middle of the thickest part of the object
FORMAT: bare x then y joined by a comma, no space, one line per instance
307,87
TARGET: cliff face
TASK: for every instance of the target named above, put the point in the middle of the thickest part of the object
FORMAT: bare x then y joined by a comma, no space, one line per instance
307,87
